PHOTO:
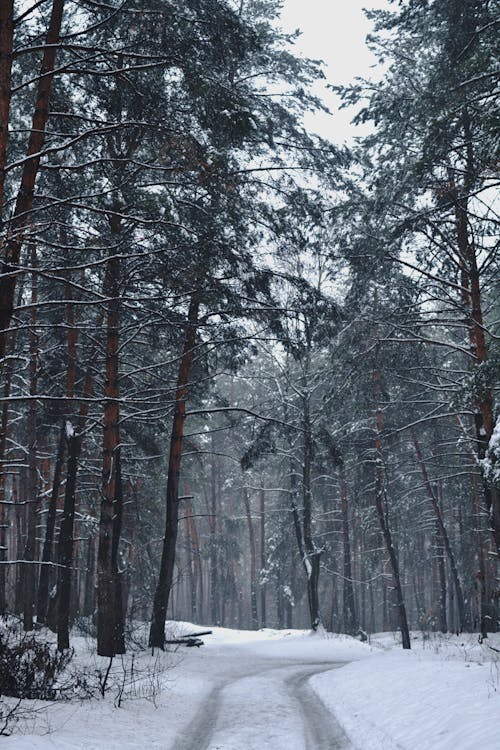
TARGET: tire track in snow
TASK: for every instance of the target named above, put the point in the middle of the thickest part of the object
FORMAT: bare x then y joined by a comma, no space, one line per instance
270,706
322,731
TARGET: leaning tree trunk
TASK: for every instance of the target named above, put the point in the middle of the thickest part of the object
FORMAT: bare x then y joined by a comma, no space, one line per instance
383,520
24,202
473,310
164,585
47,553
65,558
442,531
66,531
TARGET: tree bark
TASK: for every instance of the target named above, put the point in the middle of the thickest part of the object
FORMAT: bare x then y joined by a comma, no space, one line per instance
349,606
311,558
164,585
190,558
71,349
4,514
487,613
29,578
442,531
6,46
440,551
110,625
50,524
441,559
383,520
212,525
262,509
24,202
19,532
197,566
472,303
89,594
66,540
253,560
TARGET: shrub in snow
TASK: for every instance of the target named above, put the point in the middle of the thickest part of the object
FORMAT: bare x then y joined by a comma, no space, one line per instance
29,666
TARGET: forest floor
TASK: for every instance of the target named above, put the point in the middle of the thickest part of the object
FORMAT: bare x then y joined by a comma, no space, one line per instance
282,690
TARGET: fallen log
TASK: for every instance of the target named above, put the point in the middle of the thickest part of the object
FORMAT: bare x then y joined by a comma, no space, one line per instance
189,639
186,641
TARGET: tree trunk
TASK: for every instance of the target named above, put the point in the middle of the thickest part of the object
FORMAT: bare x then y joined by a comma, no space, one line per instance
190,555
487,613
29,578
253,560
290,598
383,520
441,553
442,530
110,625
262,509
66,540
197,566
4,526
279,598
24,201
311,558
50,524
71,347
300,543
132,519
350,619
164,585
443,621
89,595
212,525
6,46
472,302
4,514
19,534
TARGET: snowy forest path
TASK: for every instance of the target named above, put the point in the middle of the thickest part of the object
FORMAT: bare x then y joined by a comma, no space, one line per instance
264,703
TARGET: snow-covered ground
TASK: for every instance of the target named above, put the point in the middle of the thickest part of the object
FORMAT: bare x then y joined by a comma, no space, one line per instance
283,690
444,694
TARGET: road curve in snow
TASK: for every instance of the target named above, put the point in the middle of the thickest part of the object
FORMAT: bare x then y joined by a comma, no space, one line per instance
267,704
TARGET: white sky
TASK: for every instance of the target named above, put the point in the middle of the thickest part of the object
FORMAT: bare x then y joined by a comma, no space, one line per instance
334,31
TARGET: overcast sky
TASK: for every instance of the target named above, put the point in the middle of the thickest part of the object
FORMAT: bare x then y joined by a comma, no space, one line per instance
334,31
